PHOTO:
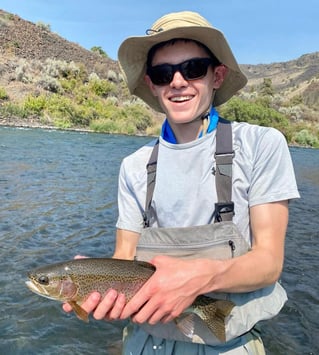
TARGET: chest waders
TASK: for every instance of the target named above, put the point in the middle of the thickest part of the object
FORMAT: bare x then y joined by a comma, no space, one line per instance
218,240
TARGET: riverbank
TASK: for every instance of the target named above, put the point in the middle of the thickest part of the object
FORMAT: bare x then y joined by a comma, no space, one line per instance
33,123
36,123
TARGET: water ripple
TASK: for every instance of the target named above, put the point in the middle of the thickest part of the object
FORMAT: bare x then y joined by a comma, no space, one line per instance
58,198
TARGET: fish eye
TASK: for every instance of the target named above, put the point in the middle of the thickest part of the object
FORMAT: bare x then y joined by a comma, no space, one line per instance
43,280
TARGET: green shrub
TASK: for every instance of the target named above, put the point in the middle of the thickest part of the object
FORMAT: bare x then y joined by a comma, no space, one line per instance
139,116
50,84
112,76
62,123
59,107
110,118
306,138
3,94
69,85
65,112
104,125
62,69
43,26
22,71
296,100
255,113
102,87
13,110
99,50
34,104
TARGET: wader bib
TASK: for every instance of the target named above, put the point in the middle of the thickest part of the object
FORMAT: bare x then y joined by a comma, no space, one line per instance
218,240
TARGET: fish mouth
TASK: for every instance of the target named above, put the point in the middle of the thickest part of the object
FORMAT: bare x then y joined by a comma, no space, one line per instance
32,286
39,290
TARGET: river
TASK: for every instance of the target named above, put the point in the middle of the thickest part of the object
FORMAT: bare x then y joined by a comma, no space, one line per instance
58,192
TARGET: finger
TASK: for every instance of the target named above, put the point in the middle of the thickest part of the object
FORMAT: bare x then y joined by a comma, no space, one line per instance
147,316
117,309
166,319
133,306
105,305
137,302
66,307
89,305
150,311
92,301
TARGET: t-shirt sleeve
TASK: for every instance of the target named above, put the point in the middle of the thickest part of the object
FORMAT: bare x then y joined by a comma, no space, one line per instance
273,177
130,197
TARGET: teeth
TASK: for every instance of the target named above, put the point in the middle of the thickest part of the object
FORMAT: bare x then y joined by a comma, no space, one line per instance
180,98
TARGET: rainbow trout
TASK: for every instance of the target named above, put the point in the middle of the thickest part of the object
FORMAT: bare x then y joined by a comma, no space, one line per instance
74,280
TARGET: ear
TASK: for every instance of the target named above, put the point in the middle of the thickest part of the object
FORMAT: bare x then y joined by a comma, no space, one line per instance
150,85
219,75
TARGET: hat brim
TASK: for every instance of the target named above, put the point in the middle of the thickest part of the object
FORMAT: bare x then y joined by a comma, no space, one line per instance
133,53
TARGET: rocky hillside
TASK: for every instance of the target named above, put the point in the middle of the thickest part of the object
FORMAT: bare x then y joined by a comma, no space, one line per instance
294,84
24,39
292,78
25,42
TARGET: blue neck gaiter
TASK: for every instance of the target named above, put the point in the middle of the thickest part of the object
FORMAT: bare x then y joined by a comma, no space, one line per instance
168,135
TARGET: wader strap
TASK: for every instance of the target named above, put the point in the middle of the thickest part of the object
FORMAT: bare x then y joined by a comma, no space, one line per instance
151,177
224,208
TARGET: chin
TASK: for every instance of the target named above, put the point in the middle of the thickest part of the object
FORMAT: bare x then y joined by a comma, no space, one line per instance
181,119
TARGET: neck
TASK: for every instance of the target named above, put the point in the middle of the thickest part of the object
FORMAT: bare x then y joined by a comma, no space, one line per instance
187,132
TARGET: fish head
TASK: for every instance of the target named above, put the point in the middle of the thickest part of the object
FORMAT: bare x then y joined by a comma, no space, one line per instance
53,283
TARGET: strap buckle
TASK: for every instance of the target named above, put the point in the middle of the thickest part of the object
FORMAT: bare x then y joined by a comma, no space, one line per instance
146,220
223,208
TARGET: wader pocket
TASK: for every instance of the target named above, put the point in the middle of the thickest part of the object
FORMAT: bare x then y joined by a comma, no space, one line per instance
214,241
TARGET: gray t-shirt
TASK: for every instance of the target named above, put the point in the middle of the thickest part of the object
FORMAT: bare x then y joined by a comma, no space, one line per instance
185,191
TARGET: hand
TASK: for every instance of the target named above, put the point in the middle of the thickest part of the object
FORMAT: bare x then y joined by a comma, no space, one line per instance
171,289
109,308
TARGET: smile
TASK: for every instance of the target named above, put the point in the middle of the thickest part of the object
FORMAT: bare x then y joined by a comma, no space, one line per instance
181,98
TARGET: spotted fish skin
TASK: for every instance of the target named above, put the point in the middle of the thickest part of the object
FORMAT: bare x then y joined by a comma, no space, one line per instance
72,281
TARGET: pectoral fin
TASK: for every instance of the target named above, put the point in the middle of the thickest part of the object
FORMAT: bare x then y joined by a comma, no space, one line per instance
79,311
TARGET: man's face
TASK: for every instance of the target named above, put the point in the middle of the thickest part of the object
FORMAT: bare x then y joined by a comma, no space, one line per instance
184,100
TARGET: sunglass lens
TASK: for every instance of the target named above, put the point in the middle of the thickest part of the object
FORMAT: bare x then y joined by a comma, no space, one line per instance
190,69
195,69
161,74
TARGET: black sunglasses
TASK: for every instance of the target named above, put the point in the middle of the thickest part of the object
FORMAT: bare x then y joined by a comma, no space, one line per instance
191,69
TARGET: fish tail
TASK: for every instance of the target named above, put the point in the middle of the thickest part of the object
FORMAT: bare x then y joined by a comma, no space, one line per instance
217,325
223,308
212,312
186,324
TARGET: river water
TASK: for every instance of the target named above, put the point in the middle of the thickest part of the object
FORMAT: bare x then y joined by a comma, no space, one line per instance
58,195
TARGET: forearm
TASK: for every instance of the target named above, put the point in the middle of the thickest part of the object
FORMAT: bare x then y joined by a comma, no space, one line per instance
262,265
246,273
125,247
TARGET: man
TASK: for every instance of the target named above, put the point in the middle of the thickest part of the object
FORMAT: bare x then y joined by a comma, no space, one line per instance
185,68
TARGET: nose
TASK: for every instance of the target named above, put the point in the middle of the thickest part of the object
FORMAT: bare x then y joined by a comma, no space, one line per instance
178,80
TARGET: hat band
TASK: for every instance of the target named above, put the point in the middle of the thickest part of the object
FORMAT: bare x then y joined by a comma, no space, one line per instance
151,31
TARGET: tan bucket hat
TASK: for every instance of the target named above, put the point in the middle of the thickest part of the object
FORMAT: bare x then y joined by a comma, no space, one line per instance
133,53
